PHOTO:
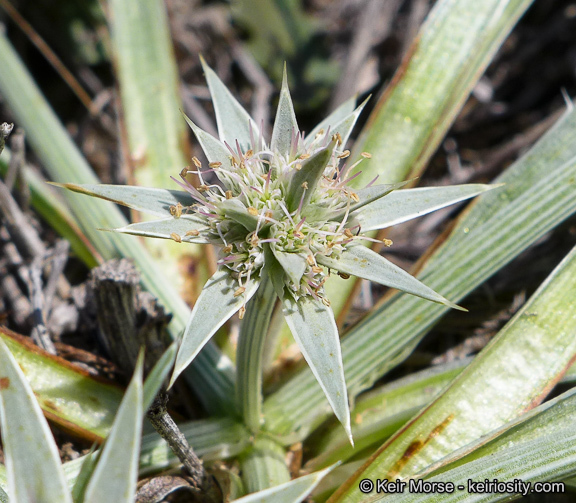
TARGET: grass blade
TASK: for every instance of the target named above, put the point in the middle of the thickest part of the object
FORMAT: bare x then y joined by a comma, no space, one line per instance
539,446
444,63
148,77
513,373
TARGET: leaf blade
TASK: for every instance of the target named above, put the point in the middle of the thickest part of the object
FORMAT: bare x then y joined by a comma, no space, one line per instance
216,304
234,123
115,474
400,206
27,439
365,263
314,329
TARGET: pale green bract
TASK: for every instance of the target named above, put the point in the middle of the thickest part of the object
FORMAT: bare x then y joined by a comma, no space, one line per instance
282,212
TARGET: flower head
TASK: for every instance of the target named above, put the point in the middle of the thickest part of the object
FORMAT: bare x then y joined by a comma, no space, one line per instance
281,212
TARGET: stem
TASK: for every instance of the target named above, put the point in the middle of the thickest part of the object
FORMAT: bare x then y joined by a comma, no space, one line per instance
264,465
204,485
249,355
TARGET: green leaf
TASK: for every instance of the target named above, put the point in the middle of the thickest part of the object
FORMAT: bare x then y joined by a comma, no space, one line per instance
149,89
234,123
314,329
380,412
213,439
157,376
365,263
335,117
294,264
510,375
145,199
115,475
403,205
304,181
218,301
285,125
538,195
263,465
445,61
253,333
32,460
235,209
166,227
539,446
79,479
294,491
69,396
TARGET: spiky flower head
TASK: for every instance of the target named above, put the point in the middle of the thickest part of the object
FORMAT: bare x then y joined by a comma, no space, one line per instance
281,212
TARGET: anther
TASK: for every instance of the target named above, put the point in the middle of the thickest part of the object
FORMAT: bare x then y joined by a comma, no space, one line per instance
215,164
241,312
310,260
253,211
343,275
239,291
366,155
176,210
196,162
326,301
304,156
298,166
387,242
184,172
317,270
227,249
228,194
176,237
344,154
202,188
193,232
348,233
304,185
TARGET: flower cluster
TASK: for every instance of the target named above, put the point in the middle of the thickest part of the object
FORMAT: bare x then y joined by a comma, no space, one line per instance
284,215
254,209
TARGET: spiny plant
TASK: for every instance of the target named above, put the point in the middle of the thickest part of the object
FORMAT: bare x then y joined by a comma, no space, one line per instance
282,217
447,424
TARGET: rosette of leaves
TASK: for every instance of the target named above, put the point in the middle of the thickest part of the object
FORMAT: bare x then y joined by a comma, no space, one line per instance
283,216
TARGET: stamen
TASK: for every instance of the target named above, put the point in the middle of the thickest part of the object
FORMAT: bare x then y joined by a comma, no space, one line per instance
176,237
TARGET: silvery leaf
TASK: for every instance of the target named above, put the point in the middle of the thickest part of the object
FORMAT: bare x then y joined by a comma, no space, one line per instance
215,305
364,263
164,228
115,475
400,206
234,123
32,460
313,326
285,125
145,199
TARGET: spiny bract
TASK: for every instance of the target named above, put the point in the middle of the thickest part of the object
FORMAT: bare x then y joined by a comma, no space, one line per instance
283,212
